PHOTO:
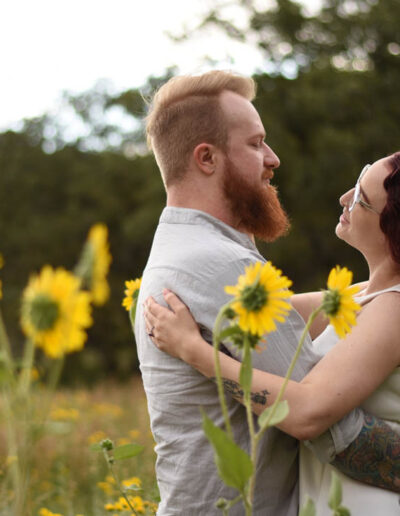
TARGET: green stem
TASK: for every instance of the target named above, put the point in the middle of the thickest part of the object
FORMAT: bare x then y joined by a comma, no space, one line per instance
27,363
250,420
6,348
290,370
221,395
117,482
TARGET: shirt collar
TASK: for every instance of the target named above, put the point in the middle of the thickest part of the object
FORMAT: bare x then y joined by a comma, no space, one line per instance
174,215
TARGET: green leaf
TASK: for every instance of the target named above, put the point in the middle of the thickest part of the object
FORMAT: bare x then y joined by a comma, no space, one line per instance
342,511
126,451
335,492
246,371
308,508
233,464
281,411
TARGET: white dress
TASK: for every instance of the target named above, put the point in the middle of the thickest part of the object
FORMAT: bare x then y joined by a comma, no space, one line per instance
315,477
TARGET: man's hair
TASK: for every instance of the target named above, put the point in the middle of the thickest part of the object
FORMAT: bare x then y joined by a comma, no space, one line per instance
185,112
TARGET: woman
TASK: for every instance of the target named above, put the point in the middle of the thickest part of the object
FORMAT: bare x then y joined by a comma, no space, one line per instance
359,370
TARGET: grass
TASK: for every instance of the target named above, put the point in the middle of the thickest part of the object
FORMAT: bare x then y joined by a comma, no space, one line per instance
66,476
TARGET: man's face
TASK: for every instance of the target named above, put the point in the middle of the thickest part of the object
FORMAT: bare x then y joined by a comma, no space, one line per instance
248,168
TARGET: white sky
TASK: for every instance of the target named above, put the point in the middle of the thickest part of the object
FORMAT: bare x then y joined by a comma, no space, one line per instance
47,46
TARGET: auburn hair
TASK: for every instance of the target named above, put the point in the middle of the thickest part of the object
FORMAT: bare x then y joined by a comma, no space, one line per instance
390,216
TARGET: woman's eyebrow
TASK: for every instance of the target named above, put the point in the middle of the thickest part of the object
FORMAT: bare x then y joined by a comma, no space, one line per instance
364,194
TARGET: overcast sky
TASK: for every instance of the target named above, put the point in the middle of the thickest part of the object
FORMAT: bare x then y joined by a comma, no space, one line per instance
47,46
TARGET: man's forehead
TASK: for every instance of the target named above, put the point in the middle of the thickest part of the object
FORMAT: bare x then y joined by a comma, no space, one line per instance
240,111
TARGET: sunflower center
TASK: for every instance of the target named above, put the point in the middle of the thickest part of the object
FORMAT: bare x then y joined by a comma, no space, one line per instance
43,312
331,302
254,297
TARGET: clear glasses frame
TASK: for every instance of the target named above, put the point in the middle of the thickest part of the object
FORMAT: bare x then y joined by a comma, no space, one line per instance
357,194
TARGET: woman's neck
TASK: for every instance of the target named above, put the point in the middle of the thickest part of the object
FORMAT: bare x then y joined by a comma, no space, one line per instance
383,275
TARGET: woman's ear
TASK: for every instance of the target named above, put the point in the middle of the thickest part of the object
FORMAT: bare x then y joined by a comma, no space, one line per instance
206,157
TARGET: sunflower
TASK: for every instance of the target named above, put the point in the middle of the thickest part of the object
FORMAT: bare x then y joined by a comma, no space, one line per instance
338,303
260,298
131,293
55,312
101,258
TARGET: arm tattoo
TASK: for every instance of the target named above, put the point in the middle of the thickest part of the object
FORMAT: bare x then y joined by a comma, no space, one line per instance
235,390
374,456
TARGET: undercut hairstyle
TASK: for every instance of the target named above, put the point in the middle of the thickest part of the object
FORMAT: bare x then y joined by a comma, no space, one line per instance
390,216
185,112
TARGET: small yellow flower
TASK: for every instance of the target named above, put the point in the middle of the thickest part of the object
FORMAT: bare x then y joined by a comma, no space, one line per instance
131,293
96,437
61,414
259,298
134,434
55,312
338,303
98,240
45,512
123,440
108,409
132,482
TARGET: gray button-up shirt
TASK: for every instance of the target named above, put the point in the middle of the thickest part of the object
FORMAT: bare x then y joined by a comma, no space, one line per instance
196,255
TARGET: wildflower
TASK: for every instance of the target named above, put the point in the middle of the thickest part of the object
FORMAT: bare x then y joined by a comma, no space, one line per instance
45,512
106,487
94,264
134,434
338,303
123,440
107,409
259,298
61,414
97,437
97,239
131,293
132,482
55,312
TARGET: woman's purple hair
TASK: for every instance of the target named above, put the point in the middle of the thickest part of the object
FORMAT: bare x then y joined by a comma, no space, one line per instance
390,216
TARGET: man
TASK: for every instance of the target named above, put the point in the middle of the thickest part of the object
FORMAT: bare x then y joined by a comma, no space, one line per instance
208,141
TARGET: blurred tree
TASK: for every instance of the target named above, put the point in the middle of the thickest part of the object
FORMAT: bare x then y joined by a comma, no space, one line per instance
328,100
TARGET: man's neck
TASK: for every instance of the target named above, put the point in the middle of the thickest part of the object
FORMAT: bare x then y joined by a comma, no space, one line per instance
217,210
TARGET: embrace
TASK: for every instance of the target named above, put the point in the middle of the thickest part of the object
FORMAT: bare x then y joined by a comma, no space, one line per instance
344,397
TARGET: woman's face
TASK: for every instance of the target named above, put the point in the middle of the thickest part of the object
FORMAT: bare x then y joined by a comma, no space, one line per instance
359,225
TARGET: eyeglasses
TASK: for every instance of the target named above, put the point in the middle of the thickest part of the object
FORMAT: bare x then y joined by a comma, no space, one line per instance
357,194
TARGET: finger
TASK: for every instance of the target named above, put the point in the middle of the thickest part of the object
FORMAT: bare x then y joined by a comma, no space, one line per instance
173,301
150,319
155,308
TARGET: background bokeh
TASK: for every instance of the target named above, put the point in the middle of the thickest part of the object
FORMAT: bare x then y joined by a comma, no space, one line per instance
328,96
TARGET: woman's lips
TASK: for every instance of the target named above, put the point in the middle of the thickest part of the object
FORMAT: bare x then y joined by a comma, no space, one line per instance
343,219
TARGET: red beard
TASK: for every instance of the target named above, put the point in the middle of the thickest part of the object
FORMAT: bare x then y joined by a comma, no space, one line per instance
258,209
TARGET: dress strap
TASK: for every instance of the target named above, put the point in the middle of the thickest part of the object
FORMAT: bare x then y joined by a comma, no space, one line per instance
368,297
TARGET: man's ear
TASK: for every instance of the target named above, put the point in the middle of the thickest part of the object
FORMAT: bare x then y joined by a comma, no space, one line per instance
206,158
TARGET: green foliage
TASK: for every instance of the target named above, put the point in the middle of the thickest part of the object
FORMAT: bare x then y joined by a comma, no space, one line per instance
234,465
279,413
308,509
127,451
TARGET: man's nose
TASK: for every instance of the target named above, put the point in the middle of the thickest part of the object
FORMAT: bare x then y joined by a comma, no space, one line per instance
271,160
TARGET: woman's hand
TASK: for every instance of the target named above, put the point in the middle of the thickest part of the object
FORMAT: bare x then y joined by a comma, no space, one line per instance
173,331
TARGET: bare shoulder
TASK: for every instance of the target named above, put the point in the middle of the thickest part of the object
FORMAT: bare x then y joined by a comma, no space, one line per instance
381,318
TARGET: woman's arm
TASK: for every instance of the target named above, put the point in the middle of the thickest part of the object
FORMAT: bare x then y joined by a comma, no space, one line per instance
345,377
307,302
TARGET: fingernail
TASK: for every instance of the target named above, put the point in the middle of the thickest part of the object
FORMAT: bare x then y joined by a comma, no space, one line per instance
166,291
